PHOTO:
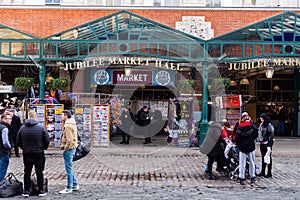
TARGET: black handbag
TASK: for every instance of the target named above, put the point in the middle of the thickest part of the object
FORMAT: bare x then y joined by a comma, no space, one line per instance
34,189
10,186
81,151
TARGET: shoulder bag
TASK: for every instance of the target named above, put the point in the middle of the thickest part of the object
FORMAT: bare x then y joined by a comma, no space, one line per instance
10,186
81,151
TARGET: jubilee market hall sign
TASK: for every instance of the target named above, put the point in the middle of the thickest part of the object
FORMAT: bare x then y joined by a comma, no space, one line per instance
132,61
264,63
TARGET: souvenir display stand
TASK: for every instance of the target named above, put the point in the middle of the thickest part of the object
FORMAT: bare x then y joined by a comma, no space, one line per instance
230,108
93,124
83,119
101,125
49,116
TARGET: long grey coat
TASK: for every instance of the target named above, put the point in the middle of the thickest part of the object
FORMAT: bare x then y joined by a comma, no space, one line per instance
212,136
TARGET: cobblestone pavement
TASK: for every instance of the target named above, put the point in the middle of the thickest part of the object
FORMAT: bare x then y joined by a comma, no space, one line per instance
161,171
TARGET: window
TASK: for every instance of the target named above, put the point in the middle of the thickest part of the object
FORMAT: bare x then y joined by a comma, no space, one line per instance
52,2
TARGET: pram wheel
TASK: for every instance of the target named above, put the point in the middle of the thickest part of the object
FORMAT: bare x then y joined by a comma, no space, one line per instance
226,172
233,175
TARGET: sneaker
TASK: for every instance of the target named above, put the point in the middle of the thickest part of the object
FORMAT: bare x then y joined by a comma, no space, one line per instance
65,191
253,180
25,194
75,188
212,177
42,194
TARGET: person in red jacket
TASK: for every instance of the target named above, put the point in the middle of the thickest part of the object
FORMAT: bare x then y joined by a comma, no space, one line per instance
227,133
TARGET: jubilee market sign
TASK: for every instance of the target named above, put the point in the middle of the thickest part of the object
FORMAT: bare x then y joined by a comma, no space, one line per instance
138,61
264,63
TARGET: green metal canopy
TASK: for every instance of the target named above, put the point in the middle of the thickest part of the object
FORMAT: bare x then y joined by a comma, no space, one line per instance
123,33
15,44
276,36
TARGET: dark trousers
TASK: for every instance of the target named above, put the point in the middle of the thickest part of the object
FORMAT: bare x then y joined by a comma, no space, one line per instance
263,151
14,140
211,160
38,161
125,136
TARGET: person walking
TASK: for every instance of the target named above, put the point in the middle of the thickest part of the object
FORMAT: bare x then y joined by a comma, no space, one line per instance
33,139
282,117
143,121
5,145
68,143
13,130
266,130
125,126
246,135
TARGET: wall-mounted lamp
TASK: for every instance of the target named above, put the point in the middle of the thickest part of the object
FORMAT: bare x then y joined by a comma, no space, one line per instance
244,81
269,72
128,71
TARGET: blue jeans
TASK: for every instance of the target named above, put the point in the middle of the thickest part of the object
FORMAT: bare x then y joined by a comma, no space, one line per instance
281,128
4,161
68,158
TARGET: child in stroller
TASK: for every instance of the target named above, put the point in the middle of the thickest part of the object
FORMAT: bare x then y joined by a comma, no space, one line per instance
231,163
231,167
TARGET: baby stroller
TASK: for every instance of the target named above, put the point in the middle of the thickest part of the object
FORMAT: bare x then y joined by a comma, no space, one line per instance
232,162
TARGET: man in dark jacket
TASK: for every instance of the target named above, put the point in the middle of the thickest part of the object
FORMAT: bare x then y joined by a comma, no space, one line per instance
145,120
13,130
4,145
246,135
33,139
126,125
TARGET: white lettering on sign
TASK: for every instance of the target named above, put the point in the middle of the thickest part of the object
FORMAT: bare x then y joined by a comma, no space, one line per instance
132,77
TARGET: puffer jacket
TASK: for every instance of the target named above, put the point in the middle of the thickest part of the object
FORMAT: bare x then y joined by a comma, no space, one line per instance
69,136
32,137
245,136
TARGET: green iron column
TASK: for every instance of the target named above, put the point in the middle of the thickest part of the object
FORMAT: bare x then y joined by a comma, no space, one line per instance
42,75
204,119
296,103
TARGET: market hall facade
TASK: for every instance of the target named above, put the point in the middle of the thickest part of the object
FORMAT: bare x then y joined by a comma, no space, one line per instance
124,41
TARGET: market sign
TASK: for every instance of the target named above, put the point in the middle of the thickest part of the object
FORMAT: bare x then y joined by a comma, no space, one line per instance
135,78
239,66
100,77
104,62
163,78
6,89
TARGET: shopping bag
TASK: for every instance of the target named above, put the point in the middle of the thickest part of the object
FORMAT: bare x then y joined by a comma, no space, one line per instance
10,186
81,151
34,189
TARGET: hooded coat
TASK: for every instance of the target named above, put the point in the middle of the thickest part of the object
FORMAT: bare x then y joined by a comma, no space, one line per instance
211,144
69,138
32,137
246,135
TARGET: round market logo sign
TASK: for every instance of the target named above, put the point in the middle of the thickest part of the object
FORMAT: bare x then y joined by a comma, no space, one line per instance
101,77
163,78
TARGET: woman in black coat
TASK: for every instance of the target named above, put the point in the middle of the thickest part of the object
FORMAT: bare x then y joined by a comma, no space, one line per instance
266,130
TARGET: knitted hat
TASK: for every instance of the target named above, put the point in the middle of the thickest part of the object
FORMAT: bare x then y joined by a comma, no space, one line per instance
244,114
